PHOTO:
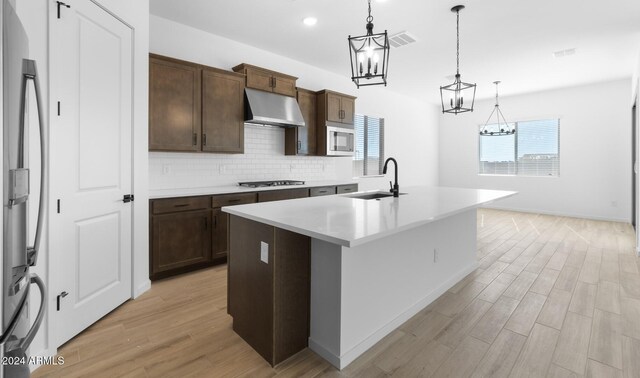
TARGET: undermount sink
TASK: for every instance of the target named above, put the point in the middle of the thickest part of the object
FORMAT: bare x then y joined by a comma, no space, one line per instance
374,195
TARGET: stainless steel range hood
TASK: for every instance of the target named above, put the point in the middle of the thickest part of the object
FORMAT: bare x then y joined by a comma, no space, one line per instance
266,108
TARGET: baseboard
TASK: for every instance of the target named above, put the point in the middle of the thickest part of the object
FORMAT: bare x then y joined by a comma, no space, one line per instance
559,214
343,361
144,286
324,353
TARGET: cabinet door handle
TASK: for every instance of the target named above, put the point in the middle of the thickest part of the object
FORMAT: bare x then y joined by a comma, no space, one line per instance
299,145
274,82
215,222
204,139
195,139
206,223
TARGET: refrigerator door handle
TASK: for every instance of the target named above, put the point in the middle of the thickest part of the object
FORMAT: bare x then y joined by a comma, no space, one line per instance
16,318
36,324
30,72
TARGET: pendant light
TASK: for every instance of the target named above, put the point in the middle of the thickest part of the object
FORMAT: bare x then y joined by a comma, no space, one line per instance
369,56
453,95
497,128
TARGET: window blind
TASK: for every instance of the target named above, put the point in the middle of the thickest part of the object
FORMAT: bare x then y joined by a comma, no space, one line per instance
533,151
368,159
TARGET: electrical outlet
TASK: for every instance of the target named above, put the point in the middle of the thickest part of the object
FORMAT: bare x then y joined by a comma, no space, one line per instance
264,252
166,169
291,166
435,255
222,169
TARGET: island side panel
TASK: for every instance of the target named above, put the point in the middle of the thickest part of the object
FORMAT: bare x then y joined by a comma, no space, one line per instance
251,284
292,269
385,282
324,338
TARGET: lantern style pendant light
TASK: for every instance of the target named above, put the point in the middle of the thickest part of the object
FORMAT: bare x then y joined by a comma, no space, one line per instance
498,128
369,56
453,95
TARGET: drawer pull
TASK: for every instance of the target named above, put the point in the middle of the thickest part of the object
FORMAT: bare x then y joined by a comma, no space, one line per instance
181,205
234,200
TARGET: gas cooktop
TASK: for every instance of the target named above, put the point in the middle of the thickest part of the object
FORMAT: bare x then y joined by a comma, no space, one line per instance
261,184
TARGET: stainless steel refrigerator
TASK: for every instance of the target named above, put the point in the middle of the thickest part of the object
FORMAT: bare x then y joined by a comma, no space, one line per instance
18,73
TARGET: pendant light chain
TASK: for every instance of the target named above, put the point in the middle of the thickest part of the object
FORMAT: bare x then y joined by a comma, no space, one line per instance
458,42
370,18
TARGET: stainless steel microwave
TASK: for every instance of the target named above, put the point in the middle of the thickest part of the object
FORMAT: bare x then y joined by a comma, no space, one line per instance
340,141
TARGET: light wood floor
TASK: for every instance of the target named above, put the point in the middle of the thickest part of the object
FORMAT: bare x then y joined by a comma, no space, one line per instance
554,296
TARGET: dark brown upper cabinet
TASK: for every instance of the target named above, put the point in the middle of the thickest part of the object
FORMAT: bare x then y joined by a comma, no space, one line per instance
267,80
174,105
302,140
222,111
336,107
194,107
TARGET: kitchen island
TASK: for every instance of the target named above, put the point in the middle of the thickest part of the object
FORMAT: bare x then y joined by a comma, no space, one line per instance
338,273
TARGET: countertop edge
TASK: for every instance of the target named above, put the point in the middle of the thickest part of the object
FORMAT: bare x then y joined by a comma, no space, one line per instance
229,189
363,240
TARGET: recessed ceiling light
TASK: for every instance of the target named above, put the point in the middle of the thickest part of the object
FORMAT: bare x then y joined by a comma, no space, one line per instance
310,21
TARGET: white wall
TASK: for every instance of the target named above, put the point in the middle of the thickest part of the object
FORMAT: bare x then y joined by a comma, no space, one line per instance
410,125
35,16
595,151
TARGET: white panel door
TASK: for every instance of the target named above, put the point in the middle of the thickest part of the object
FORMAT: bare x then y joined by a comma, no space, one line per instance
91,75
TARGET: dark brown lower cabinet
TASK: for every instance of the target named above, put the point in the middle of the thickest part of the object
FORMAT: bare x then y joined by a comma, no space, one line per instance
189,233
269,301
350,188
219,243
285,194
322,191
180,241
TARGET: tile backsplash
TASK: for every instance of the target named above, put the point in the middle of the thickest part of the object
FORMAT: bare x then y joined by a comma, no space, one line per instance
263,159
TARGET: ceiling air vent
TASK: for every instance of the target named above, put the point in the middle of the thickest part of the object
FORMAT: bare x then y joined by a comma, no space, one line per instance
563,53
401,39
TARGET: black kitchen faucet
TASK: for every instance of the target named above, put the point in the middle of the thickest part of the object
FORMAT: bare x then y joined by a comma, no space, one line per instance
395,189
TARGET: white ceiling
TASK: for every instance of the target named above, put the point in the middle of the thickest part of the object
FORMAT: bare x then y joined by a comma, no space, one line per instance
508,40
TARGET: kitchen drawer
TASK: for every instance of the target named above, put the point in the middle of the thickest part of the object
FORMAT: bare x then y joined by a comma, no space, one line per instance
351,188
284,194
322,191
172,205
233,199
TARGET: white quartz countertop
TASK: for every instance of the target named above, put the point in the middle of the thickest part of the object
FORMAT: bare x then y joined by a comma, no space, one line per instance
230,189
349,222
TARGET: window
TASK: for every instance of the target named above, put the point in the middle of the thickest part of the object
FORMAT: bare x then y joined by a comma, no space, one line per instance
534,150
369,144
